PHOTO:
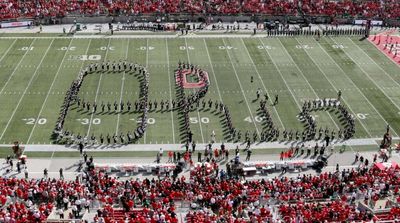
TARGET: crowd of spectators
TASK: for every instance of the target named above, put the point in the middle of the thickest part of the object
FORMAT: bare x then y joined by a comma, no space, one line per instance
368,8
337,211
52,8
22,201
212,197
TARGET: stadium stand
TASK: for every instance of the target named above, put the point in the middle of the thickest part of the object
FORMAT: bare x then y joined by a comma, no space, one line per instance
331,196
336,211
355,8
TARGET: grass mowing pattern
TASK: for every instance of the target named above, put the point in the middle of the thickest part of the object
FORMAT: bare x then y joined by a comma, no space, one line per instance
296,69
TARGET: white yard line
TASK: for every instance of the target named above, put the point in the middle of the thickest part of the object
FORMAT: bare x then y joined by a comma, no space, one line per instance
52,84
48,93
147,65
308,83
198,113
212,69
122,89
280,73
9,48
241,88
27,87
356,87
170,91
326,76
262,82
379,66
16,67
366,73
98,88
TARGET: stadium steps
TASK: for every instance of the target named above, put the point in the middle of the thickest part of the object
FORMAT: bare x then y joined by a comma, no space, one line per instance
385,216
120,215
55,217
380,204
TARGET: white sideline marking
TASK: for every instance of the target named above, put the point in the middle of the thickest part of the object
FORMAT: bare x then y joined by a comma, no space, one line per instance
391,61
146,147
147,64
379,66
170,91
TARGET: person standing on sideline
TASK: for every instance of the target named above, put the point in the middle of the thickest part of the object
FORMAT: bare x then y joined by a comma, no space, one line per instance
80,148
158,158
356,157
248,154
193,146
85,156
213,136
61,213
45,173
170,155
26,173
19,167
61,173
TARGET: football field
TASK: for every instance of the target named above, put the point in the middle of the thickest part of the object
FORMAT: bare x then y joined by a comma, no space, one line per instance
36,72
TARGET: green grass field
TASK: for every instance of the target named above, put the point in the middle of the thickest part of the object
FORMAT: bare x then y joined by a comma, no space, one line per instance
36,72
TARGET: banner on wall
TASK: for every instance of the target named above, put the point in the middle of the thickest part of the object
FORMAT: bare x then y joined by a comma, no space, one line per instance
15,24
363,22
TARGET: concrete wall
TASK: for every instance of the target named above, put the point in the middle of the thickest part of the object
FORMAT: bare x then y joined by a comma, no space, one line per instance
199,18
